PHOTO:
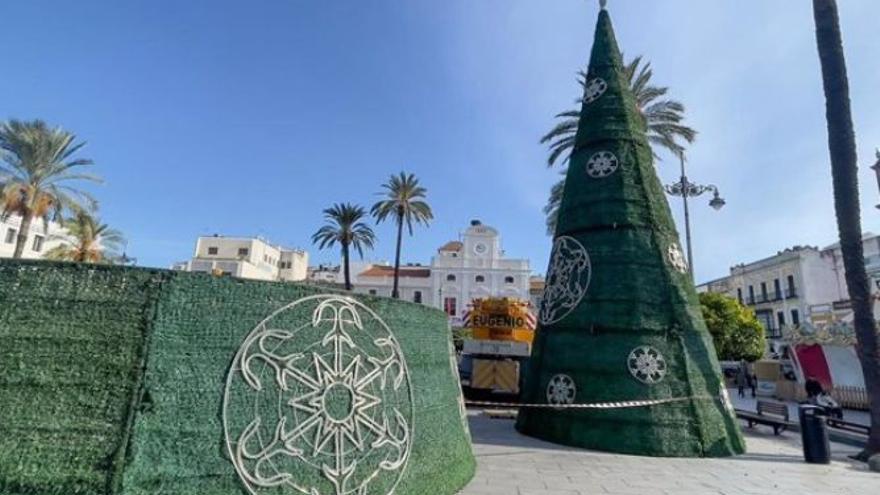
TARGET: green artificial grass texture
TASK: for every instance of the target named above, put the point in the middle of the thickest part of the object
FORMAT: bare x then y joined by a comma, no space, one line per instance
636,297
112,381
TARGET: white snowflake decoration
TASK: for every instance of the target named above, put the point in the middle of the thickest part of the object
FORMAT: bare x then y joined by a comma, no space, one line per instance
561,390
646,364
676,259
595,88
602,164
568,278
319,391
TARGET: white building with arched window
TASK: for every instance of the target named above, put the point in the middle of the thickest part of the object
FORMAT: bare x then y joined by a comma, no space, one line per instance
475,267
461,271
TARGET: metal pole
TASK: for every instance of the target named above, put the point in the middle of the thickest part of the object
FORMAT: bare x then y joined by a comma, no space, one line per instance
687,218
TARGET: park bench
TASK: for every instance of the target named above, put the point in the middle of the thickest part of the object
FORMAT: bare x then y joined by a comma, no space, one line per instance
849,426
773,414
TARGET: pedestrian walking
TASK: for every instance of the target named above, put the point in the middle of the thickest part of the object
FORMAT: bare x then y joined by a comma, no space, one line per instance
753,384
742,379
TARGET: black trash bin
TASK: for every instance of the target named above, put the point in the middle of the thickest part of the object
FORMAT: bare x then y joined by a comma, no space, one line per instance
814,434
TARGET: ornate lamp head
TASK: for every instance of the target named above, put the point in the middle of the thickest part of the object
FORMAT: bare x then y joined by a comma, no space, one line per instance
717,201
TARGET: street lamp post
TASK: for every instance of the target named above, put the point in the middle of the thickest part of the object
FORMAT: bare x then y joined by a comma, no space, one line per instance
687,189
876,168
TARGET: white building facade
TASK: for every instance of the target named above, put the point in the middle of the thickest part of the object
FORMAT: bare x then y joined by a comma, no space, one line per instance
461,271
39,241
247,257
800,285
475,267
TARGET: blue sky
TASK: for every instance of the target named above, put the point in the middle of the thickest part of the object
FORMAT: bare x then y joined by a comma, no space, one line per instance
249,118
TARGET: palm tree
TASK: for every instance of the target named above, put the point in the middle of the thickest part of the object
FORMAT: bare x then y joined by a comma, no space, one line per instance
663,119
35,171
404,202
87,241
842,148
344,226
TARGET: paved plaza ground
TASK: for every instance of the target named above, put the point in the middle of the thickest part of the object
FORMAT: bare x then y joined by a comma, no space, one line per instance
512,464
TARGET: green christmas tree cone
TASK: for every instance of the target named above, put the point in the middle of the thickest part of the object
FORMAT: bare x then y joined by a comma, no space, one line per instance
620,321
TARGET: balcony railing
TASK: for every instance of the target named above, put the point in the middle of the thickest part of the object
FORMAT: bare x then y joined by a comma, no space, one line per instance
771,297
773,333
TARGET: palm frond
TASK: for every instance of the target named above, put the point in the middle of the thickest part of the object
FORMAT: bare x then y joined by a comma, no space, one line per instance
344,225
662,118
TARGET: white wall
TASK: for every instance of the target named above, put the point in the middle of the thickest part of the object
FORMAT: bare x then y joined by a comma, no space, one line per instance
251,258
7,244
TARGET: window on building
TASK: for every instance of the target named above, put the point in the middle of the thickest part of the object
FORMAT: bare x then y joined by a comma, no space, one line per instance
777,289
212,250
449,306
10,235
795,317
417,297
508,280
764,291
243,251
739,294
480,279
780,318
751,295
38,243
372,292
450,278
765,318
790,290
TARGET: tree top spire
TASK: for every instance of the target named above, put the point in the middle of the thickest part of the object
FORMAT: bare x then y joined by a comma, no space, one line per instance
603,4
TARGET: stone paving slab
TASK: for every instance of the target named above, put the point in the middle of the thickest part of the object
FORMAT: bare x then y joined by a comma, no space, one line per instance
512,464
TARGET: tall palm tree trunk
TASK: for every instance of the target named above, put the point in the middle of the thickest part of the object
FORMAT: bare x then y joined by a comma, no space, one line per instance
395,293
21,239
842,147
346,269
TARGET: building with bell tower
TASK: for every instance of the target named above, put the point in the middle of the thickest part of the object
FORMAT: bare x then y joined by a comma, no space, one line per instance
475,267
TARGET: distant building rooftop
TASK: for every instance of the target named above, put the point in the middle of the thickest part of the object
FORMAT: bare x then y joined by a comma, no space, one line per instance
388,271
452,246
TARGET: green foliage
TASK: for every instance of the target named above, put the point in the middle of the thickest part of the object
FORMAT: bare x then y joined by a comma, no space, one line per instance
663,119
37,165
345,226
405,203
87,240
459,335
736,332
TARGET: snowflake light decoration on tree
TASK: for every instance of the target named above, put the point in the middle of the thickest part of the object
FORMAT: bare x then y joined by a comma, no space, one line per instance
561,390
568,278
676,258
646,364
602,164
595,88
318,401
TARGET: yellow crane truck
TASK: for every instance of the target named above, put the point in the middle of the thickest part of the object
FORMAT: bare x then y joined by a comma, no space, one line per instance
501,334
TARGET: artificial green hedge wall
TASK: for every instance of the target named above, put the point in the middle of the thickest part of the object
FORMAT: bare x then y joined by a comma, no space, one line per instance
112,381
